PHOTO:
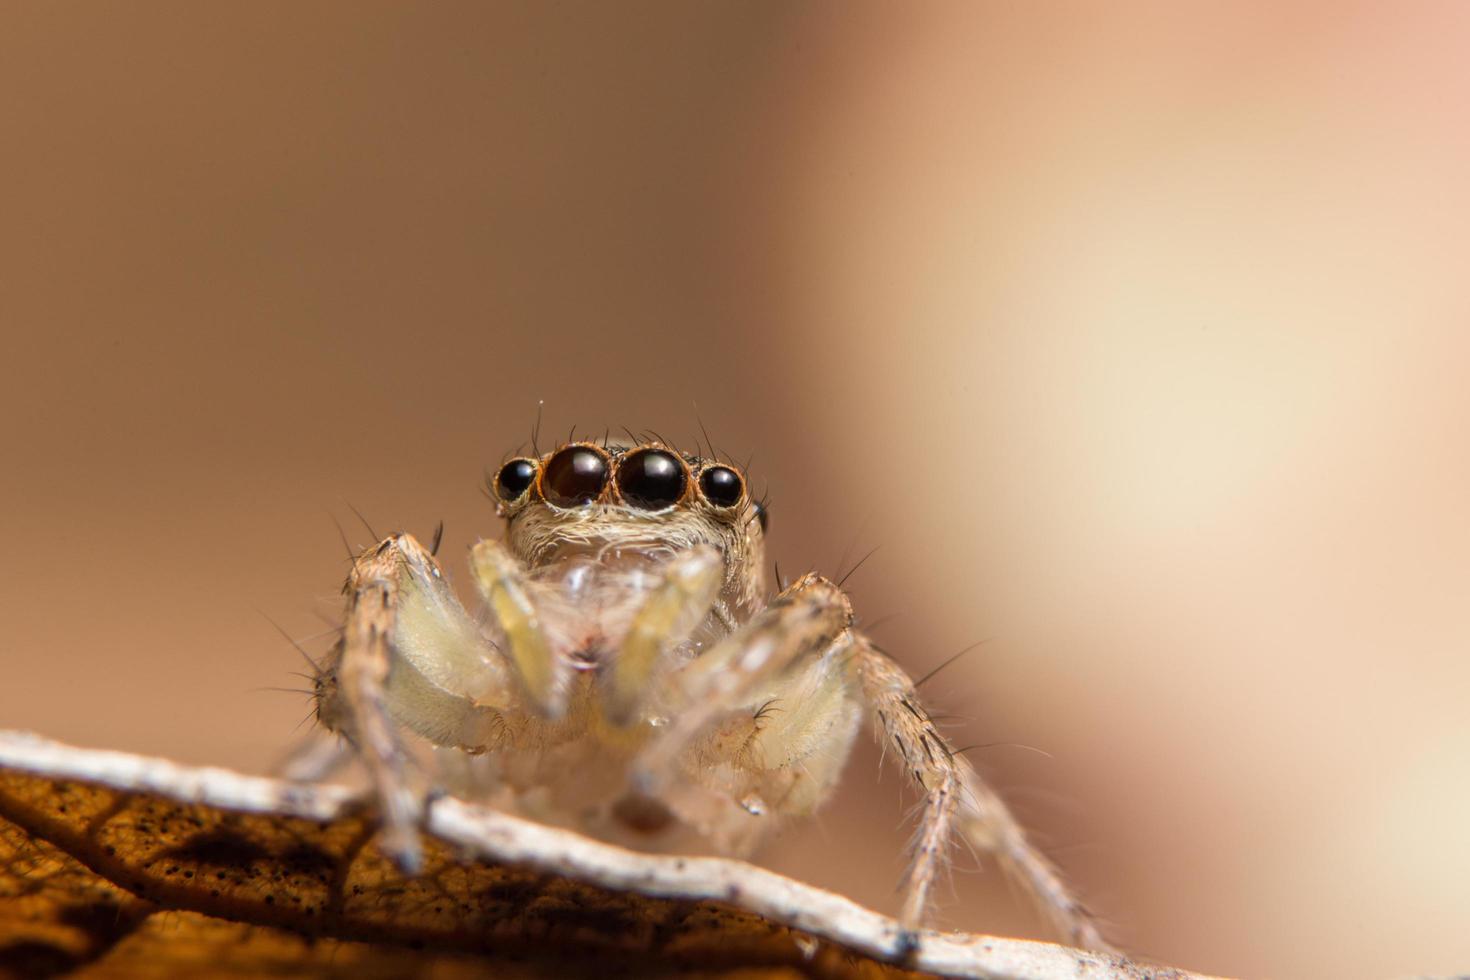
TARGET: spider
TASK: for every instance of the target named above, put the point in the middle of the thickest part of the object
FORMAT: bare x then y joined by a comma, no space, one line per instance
633,670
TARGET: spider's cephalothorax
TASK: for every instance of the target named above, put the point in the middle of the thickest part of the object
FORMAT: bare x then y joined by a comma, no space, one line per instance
633,677
648,500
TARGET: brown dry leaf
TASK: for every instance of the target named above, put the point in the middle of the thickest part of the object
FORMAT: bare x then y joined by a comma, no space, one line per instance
112,864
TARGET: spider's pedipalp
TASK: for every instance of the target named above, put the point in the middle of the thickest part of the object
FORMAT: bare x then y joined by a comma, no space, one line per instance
672,611
503,585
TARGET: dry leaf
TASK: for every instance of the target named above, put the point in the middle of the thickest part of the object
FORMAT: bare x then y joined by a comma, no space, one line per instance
113,864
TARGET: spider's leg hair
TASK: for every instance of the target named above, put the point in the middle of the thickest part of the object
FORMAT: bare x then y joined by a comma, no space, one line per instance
342,533
766,709
370,531
1004,745
949,660
843,580
288,638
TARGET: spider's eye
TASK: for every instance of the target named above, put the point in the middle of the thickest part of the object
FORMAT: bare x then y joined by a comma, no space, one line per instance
721,486
513,479
574,476
651,479
763,515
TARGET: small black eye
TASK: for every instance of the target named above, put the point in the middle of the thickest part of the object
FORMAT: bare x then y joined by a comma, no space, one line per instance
513,479
721,486
651,479
574,476
763,515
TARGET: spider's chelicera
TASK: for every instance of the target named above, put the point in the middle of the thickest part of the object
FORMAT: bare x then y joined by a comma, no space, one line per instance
633,676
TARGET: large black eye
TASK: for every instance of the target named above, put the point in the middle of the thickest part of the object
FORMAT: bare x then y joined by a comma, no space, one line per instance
513,479
651,479
721,486
574,476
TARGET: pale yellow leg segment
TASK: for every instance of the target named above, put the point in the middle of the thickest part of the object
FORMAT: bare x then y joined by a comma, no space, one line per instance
667,618
956,798
502,582
806,619
407,646
801,732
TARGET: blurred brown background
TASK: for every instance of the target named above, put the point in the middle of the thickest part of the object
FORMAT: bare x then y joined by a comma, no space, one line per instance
1135,336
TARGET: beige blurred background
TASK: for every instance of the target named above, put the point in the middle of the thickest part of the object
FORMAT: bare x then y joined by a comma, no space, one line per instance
1134,335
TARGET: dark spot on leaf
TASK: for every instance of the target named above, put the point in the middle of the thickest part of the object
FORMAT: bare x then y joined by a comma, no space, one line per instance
513,892
34,958
306,858
102,921
601,920
221,849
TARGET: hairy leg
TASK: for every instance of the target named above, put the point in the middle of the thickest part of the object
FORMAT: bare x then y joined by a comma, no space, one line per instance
314,759
810,617
409,653
361,713
955,798
800,733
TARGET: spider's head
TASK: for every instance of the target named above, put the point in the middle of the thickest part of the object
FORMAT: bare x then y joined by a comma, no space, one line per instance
648,500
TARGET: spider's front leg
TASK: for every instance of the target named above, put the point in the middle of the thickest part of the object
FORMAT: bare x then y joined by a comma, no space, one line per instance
954,795
806,619
409,654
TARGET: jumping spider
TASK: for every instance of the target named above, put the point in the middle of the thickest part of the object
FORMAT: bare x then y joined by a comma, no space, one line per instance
632,670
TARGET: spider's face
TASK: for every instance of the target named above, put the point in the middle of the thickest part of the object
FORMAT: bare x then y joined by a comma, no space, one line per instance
649,500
